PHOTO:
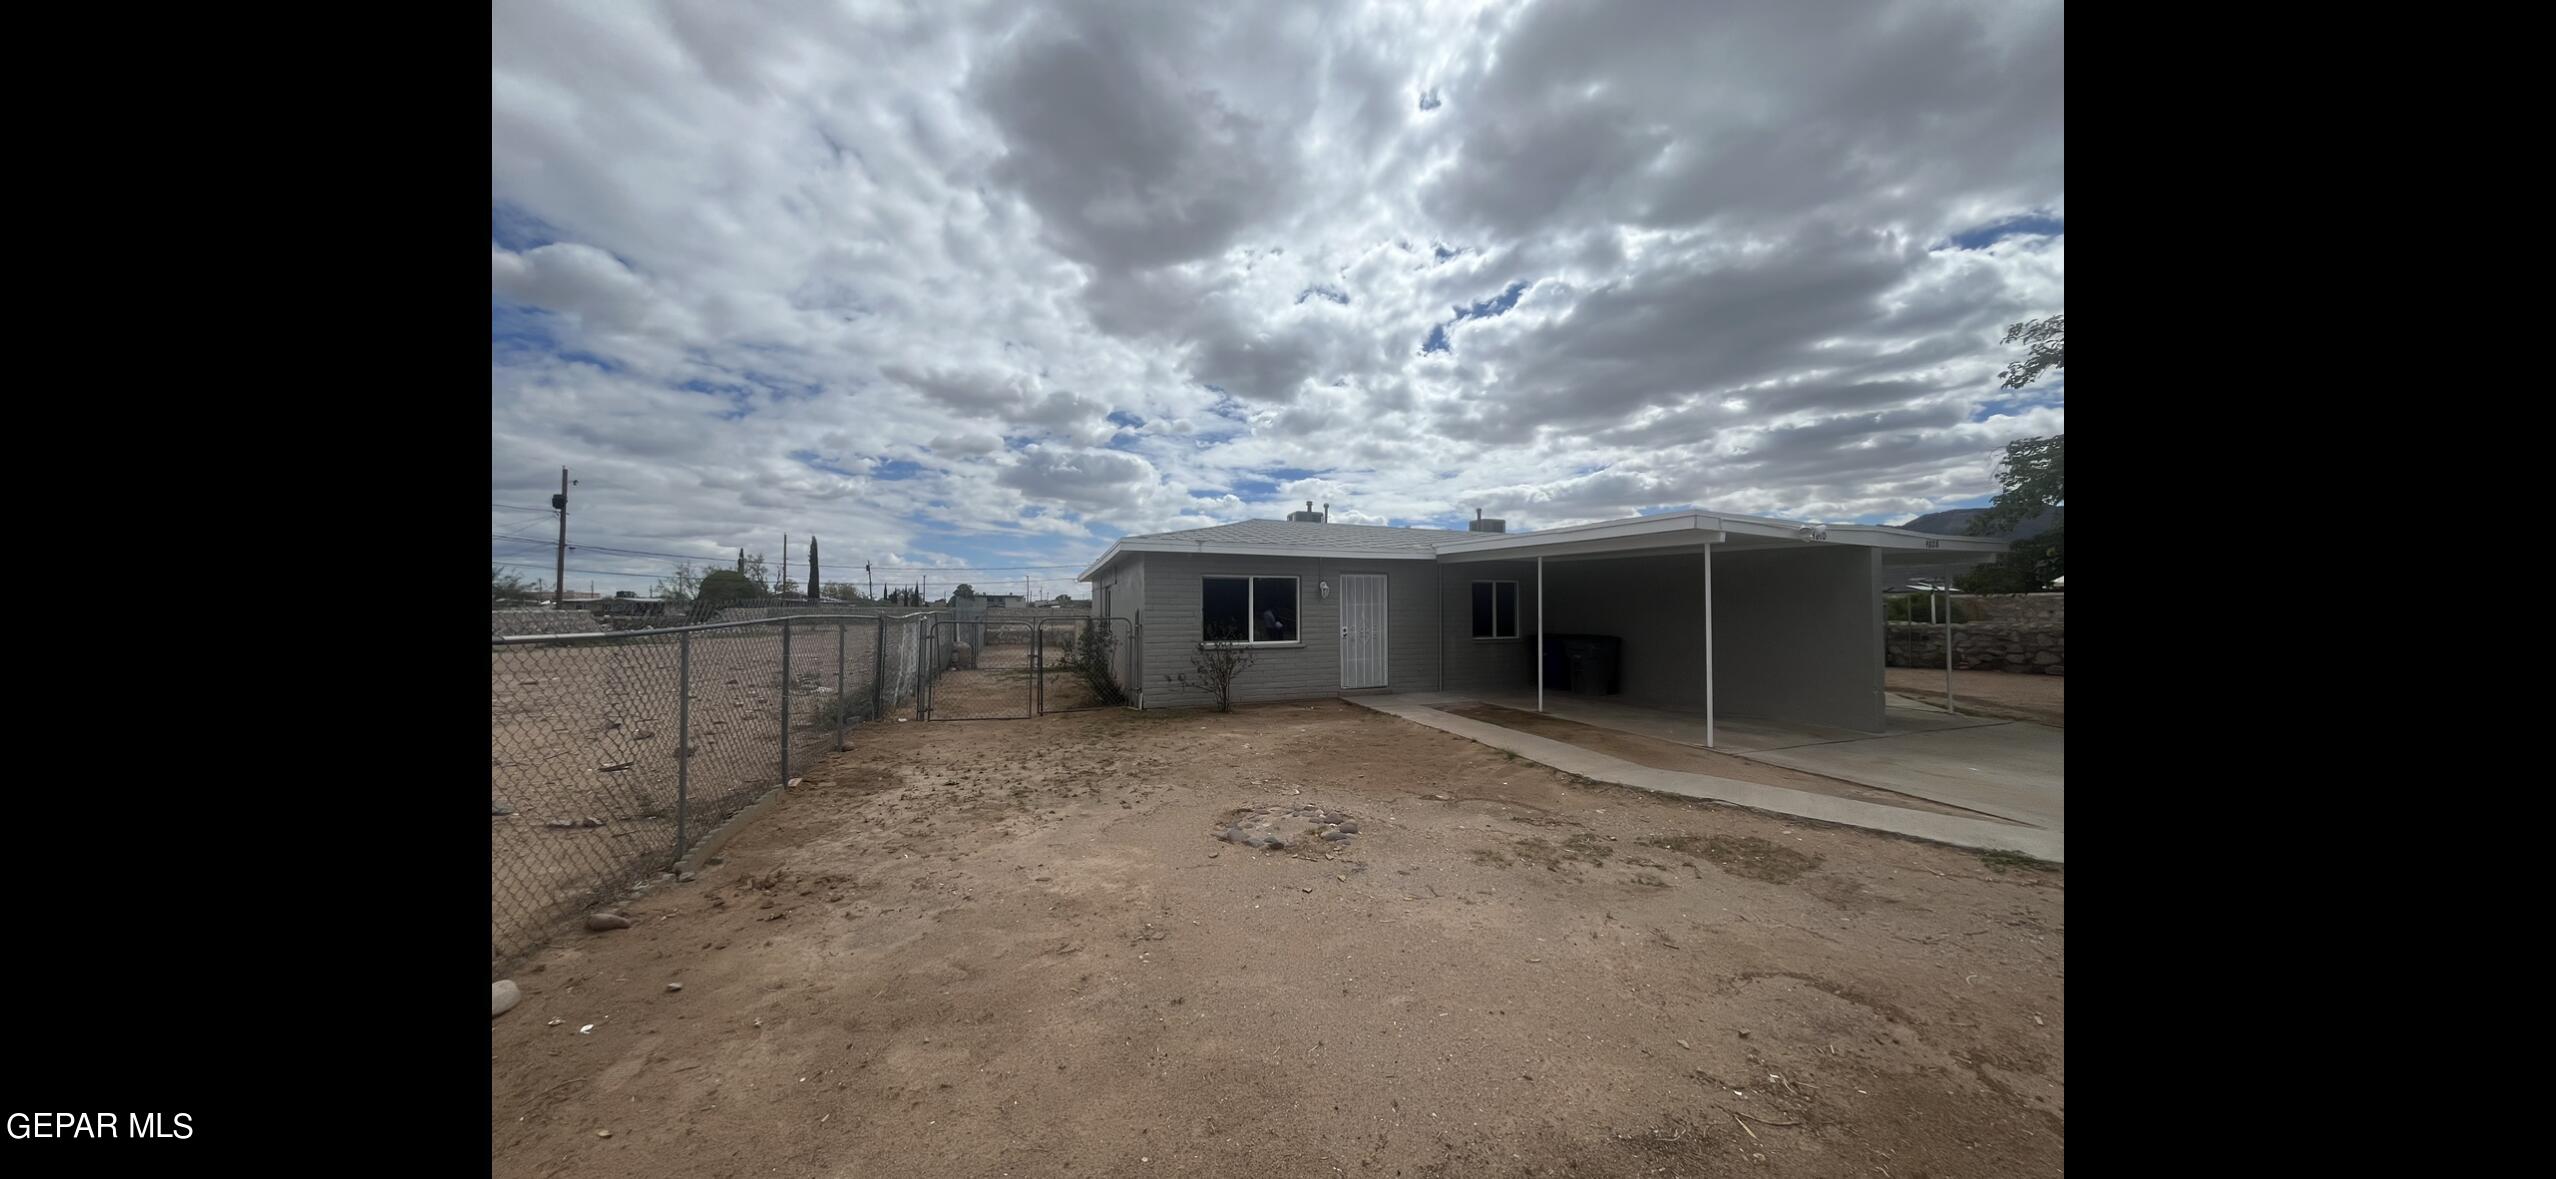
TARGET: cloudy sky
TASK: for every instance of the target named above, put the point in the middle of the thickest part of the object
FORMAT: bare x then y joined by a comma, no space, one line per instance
982,287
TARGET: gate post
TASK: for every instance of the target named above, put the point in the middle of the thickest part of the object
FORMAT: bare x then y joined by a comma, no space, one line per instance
683,738
785,700
842,699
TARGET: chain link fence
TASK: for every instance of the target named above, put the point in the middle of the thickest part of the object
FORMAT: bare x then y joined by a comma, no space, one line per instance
613,754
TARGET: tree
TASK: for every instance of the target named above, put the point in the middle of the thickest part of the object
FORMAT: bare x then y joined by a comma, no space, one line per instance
2045,344
2027,568
505,587
2032,473
679,587
751,565
963,591
845,592
724,588
813,583
1064,599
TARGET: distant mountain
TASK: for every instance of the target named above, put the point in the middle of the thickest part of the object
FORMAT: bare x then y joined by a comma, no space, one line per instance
1956,522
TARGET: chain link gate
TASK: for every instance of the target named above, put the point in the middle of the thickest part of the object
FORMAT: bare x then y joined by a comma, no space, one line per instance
982,671
1081,663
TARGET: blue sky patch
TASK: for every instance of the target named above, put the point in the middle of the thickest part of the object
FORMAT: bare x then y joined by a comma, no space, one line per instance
517,328
515,228
1120,417
815,461
1495,305
2024,225
895,468
2020,401
1498,304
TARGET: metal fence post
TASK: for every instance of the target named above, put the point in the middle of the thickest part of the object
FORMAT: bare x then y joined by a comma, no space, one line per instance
842,702
785,700
683,739
878,666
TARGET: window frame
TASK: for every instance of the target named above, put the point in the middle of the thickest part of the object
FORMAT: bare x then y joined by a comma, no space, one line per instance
1517,614
1251,608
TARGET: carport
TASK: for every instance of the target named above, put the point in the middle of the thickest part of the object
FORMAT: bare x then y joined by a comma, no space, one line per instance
1714,614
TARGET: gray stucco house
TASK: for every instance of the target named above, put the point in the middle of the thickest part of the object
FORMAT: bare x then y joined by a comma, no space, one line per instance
1697,611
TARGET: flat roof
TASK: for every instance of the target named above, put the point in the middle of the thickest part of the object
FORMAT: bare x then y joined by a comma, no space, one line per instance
1691,529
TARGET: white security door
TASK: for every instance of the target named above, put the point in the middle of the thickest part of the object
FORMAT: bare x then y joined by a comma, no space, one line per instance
1362,630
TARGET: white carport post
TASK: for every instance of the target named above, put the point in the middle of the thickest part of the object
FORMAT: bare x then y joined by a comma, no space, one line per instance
1948,692
1708,645
1539,633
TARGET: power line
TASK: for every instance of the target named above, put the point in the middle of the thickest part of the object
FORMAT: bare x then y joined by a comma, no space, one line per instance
607,550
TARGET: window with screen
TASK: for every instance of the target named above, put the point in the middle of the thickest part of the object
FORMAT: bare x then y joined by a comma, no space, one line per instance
1248,610
1495,609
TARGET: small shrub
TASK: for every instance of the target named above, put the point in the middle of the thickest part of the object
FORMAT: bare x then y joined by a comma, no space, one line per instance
1088,655
840,710
1215,666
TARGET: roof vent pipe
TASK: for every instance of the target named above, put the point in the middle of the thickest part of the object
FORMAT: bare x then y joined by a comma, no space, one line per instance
1481,525
1307,516
1326,513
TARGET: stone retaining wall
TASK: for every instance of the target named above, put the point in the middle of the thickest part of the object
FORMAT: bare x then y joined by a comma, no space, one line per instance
2051,609
2037,648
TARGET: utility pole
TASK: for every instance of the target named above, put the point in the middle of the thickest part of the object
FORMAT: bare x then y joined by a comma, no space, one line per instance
559,574
873,580
785,562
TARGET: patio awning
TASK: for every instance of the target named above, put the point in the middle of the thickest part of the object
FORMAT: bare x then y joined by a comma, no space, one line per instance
1689,530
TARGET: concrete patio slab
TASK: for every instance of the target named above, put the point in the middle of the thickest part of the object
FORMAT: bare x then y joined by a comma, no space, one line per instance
1418,708
2012,769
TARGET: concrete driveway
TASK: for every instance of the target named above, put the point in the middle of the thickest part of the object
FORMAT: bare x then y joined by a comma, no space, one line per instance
2012,769
2009,774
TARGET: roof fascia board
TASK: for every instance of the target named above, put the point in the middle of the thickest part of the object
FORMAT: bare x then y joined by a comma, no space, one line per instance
1627,546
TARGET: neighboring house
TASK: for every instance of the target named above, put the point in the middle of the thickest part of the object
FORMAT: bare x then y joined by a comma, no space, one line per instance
1332,609
1002,601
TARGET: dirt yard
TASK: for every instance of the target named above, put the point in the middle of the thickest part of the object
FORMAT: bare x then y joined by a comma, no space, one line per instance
2041,699
1017,948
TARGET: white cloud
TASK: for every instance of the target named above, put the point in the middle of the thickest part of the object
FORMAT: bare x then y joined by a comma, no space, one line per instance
888,273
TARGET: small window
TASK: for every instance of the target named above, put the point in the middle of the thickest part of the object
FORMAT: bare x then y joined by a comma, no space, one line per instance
1248,610
1495,609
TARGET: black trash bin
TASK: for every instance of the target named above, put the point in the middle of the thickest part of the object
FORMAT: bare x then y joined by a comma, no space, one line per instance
1591,664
